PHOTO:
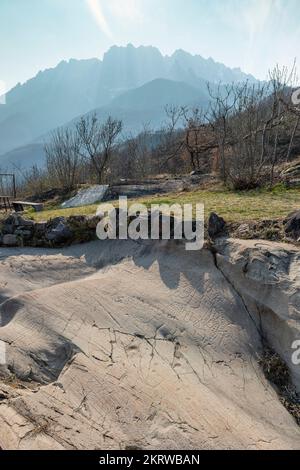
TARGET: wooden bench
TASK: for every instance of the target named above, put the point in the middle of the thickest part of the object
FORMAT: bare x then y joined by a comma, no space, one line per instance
19,206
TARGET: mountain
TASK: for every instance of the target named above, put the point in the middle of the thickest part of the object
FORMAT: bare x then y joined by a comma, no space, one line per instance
158,93
23,158
142,105
190,68
128,79
130,67
49,100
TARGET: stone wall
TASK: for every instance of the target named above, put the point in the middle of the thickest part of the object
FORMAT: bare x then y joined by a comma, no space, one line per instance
61,231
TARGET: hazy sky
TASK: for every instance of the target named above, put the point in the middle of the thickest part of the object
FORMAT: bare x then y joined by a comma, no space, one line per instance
252,34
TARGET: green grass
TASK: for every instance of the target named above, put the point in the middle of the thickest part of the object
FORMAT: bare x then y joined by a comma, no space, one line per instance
233,206
51,213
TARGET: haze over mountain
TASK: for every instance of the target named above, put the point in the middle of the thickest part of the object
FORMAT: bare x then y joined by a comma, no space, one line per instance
131,83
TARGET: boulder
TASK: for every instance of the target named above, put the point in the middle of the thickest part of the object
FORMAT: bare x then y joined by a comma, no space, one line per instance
216,226
7,229
58,231
292,226
292,171
40,228
17,220
10,240
23,233
92,221
243,230
14,222
88,222
266,276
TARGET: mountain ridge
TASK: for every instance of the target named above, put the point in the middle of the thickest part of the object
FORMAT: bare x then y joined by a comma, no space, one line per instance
150,101
57,95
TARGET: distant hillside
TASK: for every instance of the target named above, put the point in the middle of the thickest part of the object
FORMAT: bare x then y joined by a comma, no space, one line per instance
158,93
23,158
56,96
143,105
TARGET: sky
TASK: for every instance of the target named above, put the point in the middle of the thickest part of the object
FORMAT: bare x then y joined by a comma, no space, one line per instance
254,35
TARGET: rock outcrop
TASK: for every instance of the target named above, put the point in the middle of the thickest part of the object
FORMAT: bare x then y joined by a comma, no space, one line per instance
292,226
267,277
60,231
87,196
120,344
291,175
216,226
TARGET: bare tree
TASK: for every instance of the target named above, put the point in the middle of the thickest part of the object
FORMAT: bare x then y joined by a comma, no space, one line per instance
292,139
247,151
97,142
33,181
221,107
199,140
289,80
170,142
186,134
63,157
138,153
250,123
281,80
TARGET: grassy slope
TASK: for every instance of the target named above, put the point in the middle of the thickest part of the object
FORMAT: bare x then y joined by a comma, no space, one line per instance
233,206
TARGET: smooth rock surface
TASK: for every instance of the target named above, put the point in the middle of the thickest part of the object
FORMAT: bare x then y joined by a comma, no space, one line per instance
125,344
267,276
86,196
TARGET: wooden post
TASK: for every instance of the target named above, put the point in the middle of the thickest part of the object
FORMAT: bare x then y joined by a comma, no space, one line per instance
14,186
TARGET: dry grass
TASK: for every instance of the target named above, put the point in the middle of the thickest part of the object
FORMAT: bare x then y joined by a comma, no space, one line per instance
13,382
277,372
232,206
